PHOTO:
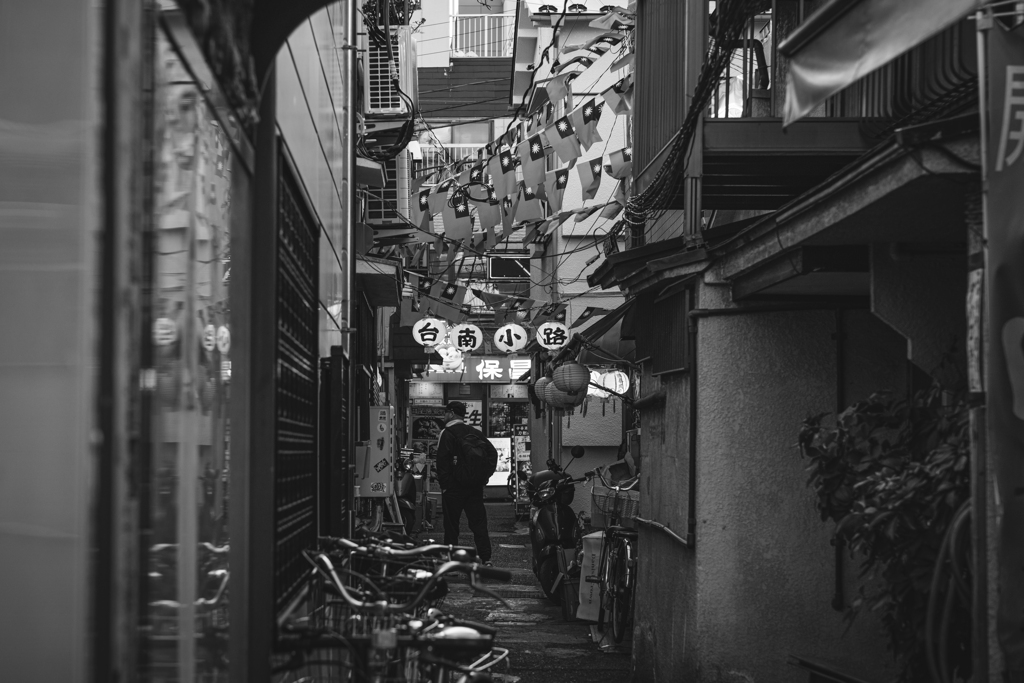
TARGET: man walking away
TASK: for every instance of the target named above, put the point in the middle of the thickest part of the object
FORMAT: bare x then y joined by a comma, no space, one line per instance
463,461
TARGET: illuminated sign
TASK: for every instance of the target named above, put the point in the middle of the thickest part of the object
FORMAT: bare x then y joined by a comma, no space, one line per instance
489,369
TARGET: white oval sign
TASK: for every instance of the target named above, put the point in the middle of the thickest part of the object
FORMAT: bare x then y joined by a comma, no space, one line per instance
428,331
466,337
510,338
552,335
210,337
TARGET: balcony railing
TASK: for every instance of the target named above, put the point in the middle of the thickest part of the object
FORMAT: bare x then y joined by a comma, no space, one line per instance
938,75
438,162
483,35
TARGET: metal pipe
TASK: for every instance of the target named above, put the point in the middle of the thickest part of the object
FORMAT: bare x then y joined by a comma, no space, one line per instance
838,541
347,122
691,498
662,527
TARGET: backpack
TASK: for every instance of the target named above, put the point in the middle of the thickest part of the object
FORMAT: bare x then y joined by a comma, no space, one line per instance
479,458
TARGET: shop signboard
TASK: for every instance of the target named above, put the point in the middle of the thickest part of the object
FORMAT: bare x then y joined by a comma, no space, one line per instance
488,369
504,447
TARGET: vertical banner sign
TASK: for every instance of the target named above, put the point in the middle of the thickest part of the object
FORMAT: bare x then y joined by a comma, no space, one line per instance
1006,327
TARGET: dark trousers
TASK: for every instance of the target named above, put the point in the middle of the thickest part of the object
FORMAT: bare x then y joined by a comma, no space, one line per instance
453,503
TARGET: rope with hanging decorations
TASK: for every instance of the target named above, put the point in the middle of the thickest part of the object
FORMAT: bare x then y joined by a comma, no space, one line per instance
732,18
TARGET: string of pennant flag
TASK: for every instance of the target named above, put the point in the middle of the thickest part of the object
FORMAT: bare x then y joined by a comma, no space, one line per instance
488,183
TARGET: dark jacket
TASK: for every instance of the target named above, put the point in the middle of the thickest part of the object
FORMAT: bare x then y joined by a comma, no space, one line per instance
449,450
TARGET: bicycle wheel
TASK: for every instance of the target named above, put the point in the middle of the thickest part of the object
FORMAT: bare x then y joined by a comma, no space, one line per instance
622,588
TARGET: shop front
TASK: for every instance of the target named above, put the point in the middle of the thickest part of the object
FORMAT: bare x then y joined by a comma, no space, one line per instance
496,403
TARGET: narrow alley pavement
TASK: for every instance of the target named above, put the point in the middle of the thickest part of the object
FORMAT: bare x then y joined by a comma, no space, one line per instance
544,648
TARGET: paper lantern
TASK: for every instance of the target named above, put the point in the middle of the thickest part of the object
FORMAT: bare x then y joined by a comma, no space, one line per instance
539,386
595,378
510,338
466,337
571,377
616,380
557,398
429,331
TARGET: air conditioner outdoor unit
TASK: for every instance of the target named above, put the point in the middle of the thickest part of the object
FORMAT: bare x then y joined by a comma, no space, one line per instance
379,94
382,202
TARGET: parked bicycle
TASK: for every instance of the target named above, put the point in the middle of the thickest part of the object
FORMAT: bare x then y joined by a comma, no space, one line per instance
373,617
618,566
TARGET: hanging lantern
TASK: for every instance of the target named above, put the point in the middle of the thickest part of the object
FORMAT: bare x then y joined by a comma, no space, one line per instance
555,397
539,387
510,338
595,378
616,380
466,337
571,377
428,331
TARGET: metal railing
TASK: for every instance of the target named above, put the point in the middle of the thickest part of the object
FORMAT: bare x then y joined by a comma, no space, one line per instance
483,35
933,79
438,162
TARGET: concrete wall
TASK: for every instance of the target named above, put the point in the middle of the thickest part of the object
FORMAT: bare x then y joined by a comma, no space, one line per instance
50,115
758,585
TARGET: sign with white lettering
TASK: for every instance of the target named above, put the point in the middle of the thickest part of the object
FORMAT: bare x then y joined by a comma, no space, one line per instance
488,369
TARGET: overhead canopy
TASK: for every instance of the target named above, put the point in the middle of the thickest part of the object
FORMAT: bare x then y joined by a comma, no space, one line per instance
847,39
606,335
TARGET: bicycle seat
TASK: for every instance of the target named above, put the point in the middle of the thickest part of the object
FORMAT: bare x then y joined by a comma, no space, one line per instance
459,642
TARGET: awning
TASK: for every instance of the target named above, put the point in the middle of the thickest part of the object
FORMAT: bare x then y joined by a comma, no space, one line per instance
847,39
606,335
379,280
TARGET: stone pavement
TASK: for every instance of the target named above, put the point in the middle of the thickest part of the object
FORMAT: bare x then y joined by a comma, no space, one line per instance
544,648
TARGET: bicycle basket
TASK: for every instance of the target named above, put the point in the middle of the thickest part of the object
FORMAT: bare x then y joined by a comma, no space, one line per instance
616,503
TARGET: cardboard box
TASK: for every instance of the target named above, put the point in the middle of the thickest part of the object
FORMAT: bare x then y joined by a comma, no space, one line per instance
590,591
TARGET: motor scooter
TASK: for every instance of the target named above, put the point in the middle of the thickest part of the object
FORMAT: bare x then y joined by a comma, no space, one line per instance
556,531
405,488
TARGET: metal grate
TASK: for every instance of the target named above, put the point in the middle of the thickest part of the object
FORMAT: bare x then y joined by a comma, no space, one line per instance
381,92
295,462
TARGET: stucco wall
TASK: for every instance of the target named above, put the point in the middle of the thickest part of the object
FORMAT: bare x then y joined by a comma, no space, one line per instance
759,584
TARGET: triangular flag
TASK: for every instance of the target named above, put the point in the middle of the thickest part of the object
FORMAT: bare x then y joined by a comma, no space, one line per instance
607,38
563,140
616,19
488,298
611,210
548,312
620,96
531,153
583,60
508,212
588,313
488,212
411,311
503,172
620,163
585,213
585,120
529,208
508,312
439,196
620,193
623,62
590,177
457,223
419,208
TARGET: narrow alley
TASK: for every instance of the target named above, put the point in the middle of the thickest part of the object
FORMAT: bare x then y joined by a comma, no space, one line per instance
544,648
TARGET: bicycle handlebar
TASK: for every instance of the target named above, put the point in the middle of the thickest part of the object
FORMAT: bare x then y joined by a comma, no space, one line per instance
383,607
435,549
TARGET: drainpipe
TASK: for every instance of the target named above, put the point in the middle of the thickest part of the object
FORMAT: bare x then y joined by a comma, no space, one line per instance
347,122
837,541
691,512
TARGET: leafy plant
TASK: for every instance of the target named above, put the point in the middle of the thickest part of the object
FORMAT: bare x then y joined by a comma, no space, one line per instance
893,474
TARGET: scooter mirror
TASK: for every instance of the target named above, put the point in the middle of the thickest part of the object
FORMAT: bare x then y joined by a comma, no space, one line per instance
577,451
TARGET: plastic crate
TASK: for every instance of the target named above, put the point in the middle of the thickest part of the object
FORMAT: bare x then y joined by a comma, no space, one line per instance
607,503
